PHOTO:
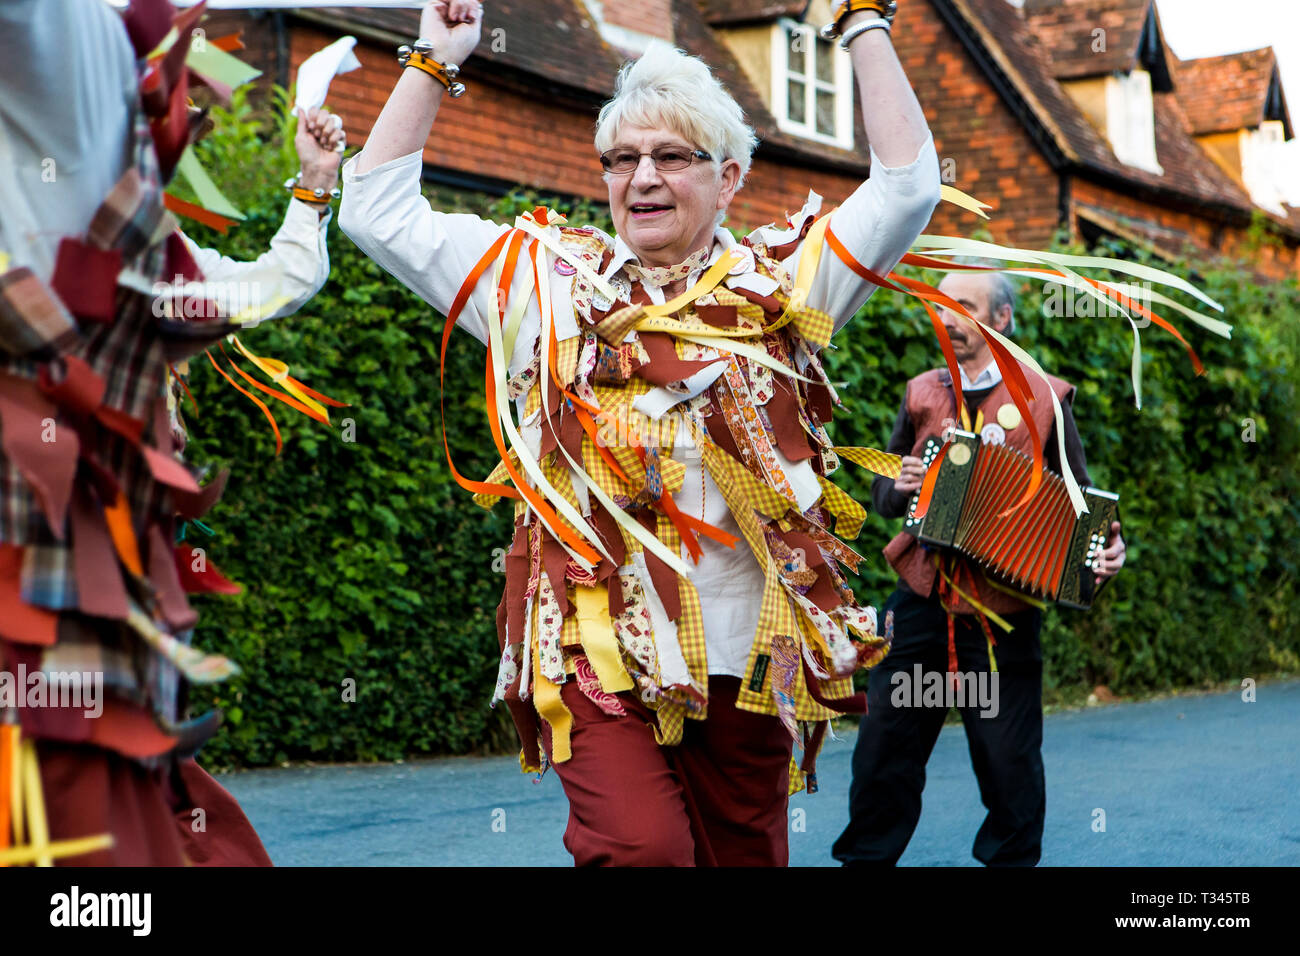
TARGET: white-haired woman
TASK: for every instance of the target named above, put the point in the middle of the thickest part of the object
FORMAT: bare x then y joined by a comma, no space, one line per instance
674,608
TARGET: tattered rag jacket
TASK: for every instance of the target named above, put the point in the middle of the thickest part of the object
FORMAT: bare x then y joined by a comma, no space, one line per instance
670,461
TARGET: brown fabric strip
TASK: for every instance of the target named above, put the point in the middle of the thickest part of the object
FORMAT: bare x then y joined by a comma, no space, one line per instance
783,412
664,365
173,604
555,560
49,467
662,577
720,316
100,589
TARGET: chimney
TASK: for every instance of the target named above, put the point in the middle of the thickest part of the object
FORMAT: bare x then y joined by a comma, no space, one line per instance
630,25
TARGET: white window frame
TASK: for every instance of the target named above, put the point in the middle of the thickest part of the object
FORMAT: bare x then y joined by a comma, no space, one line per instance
841,87
1131,120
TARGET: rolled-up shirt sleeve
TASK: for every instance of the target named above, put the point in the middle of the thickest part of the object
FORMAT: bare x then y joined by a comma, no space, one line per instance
429,252
285,277
877,224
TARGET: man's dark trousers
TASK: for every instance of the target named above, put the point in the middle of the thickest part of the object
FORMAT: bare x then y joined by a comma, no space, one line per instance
894,743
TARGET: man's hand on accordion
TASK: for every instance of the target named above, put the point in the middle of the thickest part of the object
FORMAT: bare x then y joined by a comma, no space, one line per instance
910,476
1112,557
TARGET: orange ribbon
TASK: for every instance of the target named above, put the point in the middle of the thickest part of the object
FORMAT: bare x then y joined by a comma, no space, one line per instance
1012,374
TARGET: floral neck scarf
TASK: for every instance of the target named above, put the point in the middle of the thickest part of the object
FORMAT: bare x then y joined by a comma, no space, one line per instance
663,275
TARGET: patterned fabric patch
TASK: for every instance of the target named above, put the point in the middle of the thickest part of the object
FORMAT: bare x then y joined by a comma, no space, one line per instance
589,684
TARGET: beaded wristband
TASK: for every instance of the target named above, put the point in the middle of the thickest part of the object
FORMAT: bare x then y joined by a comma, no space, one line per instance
317,195
420,58
885,8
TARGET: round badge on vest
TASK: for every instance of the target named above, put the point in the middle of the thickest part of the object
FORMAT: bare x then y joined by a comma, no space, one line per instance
993,434
1008,417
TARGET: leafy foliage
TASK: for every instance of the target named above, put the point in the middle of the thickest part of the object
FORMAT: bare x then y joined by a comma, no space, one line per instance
363,560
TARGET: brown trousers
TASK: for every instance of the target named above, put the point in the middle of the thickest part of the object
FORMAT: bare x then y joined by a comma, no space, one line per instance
89,791
718,799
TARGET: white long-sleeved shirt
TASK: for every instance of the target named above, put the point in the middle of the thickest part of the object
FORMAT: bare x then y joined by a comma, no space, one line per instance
283,279
431,252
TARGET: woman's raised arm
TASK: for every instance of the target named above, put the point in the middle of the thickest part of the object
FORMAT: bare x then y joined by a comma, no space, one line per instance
404,124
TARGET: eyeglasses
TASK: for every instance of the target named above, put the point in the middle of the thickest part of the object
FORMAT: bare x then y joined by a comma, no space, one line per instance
667,159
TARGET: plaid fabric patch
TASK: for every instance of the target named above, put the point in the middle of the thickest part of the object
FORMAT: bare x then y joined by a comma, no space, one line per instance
566,358
615,326
130,355
33,322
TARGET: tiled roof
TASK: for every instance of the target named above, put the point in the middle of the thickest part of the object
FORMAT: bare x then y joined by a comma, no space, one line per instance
728,12
1009,38
555,40
1069,31
1230,92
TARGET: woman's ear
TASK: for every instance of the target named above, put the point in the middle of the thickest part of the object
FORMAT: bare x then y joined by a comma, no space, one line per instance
730,183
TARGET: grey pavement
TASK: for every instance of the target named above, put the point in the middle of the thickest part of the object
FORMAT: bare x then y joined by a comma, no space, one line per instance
1199,780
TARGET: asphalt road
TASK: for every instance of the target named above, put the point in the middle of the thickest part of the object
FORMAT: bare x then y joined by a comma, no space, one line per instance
1205,780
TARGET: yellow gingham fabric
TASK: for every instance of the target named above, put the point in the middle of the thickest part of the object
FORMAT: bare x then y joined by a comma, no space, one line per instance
849,515
872,459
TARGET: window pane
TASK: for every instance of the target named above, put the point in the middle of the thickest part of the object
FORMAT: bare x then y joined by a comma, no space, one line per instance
826,112
825,65
796,106
797,51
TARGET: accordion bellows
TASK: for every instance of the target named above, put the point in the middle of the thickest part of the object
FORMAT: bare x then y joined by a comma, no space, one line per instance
1041,548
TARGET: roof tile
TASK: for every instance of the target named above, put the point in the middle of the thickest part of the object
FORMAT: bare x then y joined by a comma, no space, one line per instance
1220,93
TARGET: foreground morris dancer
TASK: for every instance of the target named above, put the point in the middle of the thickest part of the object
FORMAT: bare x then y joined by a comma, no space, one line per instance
934,627
92,588
670,397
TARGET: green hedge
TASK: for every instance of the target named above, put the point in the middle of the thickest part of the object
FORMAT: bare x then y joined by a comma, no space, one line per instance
363,560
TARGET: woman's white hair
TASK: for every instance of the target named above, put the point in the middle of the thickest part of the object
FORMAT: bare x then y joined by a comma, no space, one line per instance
667,89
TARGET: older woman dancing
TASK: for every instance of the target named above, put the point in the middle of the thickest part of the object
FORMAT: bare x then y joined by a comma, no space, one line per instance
674,613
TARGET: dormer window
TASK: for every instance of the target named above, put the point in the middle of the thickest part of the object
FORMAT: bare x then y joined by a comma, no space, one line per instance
1263,170
1130,120
812,85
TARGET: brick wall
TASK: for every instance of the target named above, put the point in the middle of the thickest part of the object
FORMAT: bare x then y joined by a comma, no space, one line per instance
1226,240
502,134
983,147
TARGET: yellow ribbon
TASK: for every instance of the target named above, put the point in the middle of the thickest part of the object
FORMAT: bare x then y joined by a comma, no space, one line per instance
703,287
546,696
958,198
1041,605
808,262
598,643
27,809
279,373
999,621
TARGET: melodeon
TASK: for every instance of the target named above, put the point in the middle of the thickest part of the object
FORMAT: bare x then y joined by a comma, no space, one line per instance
1041,549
